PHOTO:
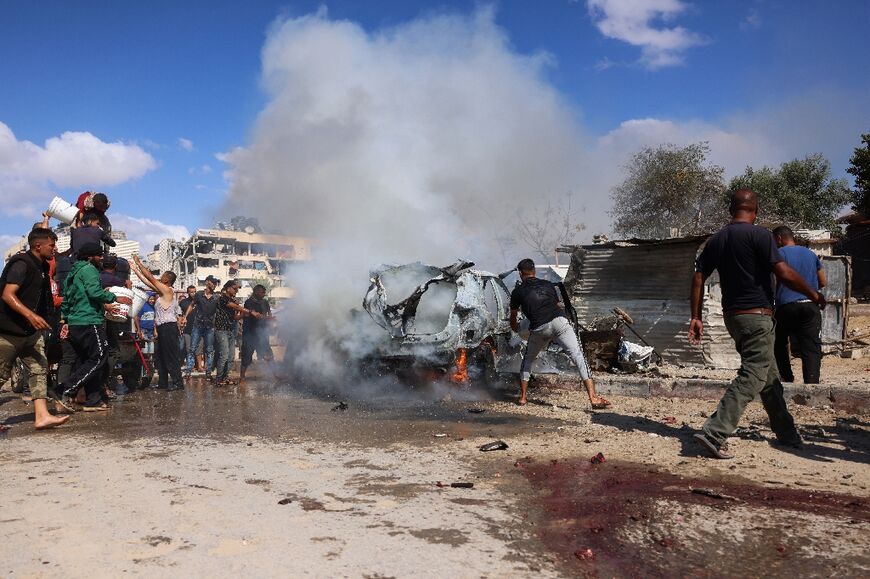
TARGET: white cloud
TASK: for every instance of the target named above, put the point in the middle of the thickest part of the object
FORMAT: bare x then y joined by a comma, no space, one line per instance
185,144
73,159
148,232
752,20
201,170
641,23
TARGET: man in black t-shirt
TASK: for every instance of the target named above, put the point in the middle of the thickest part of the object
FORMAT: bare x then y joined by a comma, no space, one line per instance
746,257
255,331
25,302
540,303
203,307
184,304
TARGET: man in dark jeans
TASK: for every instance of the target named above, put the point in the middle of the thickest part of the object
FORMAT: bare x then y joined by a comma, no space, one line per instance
745,256
796,316
203,309
255,331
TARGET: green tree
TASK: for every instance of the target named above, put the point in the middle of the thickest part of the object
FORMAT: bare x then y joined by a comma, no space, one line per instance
800,193
669,187
860,168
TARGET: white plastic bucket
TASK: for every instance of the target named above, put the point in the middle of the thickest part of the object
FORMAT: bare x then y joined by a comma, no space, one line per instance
139,299
62,211
125,302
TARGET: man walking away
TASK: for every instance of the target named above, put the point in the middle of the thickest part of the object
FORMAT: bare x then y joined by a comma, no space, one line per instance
795,314
745,256
204,304
82,322
255,331
25,303
168,350
541,305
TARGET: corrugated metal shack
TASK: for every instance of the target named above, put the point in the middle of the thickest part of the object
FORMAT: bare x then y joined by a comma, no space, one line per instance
650,279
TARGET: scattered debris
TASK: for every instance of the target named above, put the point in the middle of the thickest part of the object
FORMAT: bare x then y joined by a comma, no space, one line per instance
341,406
751,432
495,445
462,485
440,435
285,501
477,410
597,459
590,440
584,554
712,494
4,428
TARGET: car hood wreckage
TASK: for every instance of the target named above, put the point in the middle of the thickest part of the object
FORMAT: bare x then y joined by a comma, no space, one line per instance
454,320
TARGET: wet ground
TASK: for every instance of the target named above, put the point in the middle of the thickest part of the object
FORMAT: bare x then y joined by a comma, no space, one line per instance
269,479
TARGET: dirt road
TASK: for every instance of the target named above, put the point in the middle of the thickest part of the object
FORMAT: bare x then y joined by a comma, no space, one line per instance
267,481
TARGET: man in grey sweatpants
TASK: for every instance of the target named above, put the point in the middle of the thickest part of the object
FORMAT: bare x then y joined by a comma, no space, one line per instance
745,256
539,301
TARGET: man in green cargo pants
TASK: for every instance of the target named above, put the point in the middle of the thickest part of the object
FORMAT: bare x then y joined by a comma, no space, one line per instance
746,255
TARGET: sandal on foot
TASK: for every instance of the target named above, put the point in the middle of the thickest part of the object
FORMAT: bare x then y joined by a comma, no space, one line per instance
711,446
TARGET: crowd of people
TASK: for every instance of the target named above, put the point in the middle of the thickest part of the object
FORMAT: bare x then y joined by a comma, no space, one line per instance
59,309
198,334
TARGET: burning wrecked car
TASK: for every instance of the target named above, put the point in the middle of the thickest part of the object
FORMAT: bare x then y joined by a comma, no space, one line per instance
455,321
449,318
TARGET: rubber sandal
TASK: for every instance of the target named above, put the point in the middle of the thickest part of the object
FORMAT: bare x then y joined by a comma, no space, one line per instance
716,450
98,408
601,405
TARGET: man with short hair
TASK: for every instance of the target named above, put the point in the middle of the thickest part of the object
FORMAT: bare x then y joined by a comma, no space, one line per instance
89,232
187,327
25,301
796,316
255,331
166,323
228,311
82,322
543,307
745,256
204,305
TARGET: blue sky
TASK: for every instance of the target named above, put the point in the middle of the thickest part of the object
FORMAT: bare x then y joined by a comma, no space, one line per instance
139,99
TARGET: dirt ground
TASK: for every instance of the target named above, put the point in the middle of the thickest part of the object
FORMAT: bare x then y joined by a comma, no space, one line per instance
269,480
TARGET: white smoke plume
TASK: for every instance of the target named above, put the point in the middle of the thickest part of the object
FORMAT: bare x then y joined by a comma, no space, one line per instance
419,142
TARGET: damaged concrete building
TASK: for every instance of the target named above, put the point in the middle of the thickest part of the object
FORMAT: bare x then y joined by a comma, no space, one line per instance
237,250
650,280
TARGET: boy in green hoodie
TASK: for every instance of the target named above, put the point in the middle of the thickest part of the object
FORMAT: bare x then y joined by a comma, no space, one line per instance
82,323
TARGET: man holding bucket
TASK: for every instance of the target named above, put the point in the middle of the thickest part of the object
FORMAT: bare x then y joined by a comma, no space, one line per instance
82,323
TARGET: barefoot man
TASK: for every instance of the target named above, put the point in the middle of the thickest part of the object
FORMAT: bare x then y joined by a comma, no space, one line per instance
26,298
540,304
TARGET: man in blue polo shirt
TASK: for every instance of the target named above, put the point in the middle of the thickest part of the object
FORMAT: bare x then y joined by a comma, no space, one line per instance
796,315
